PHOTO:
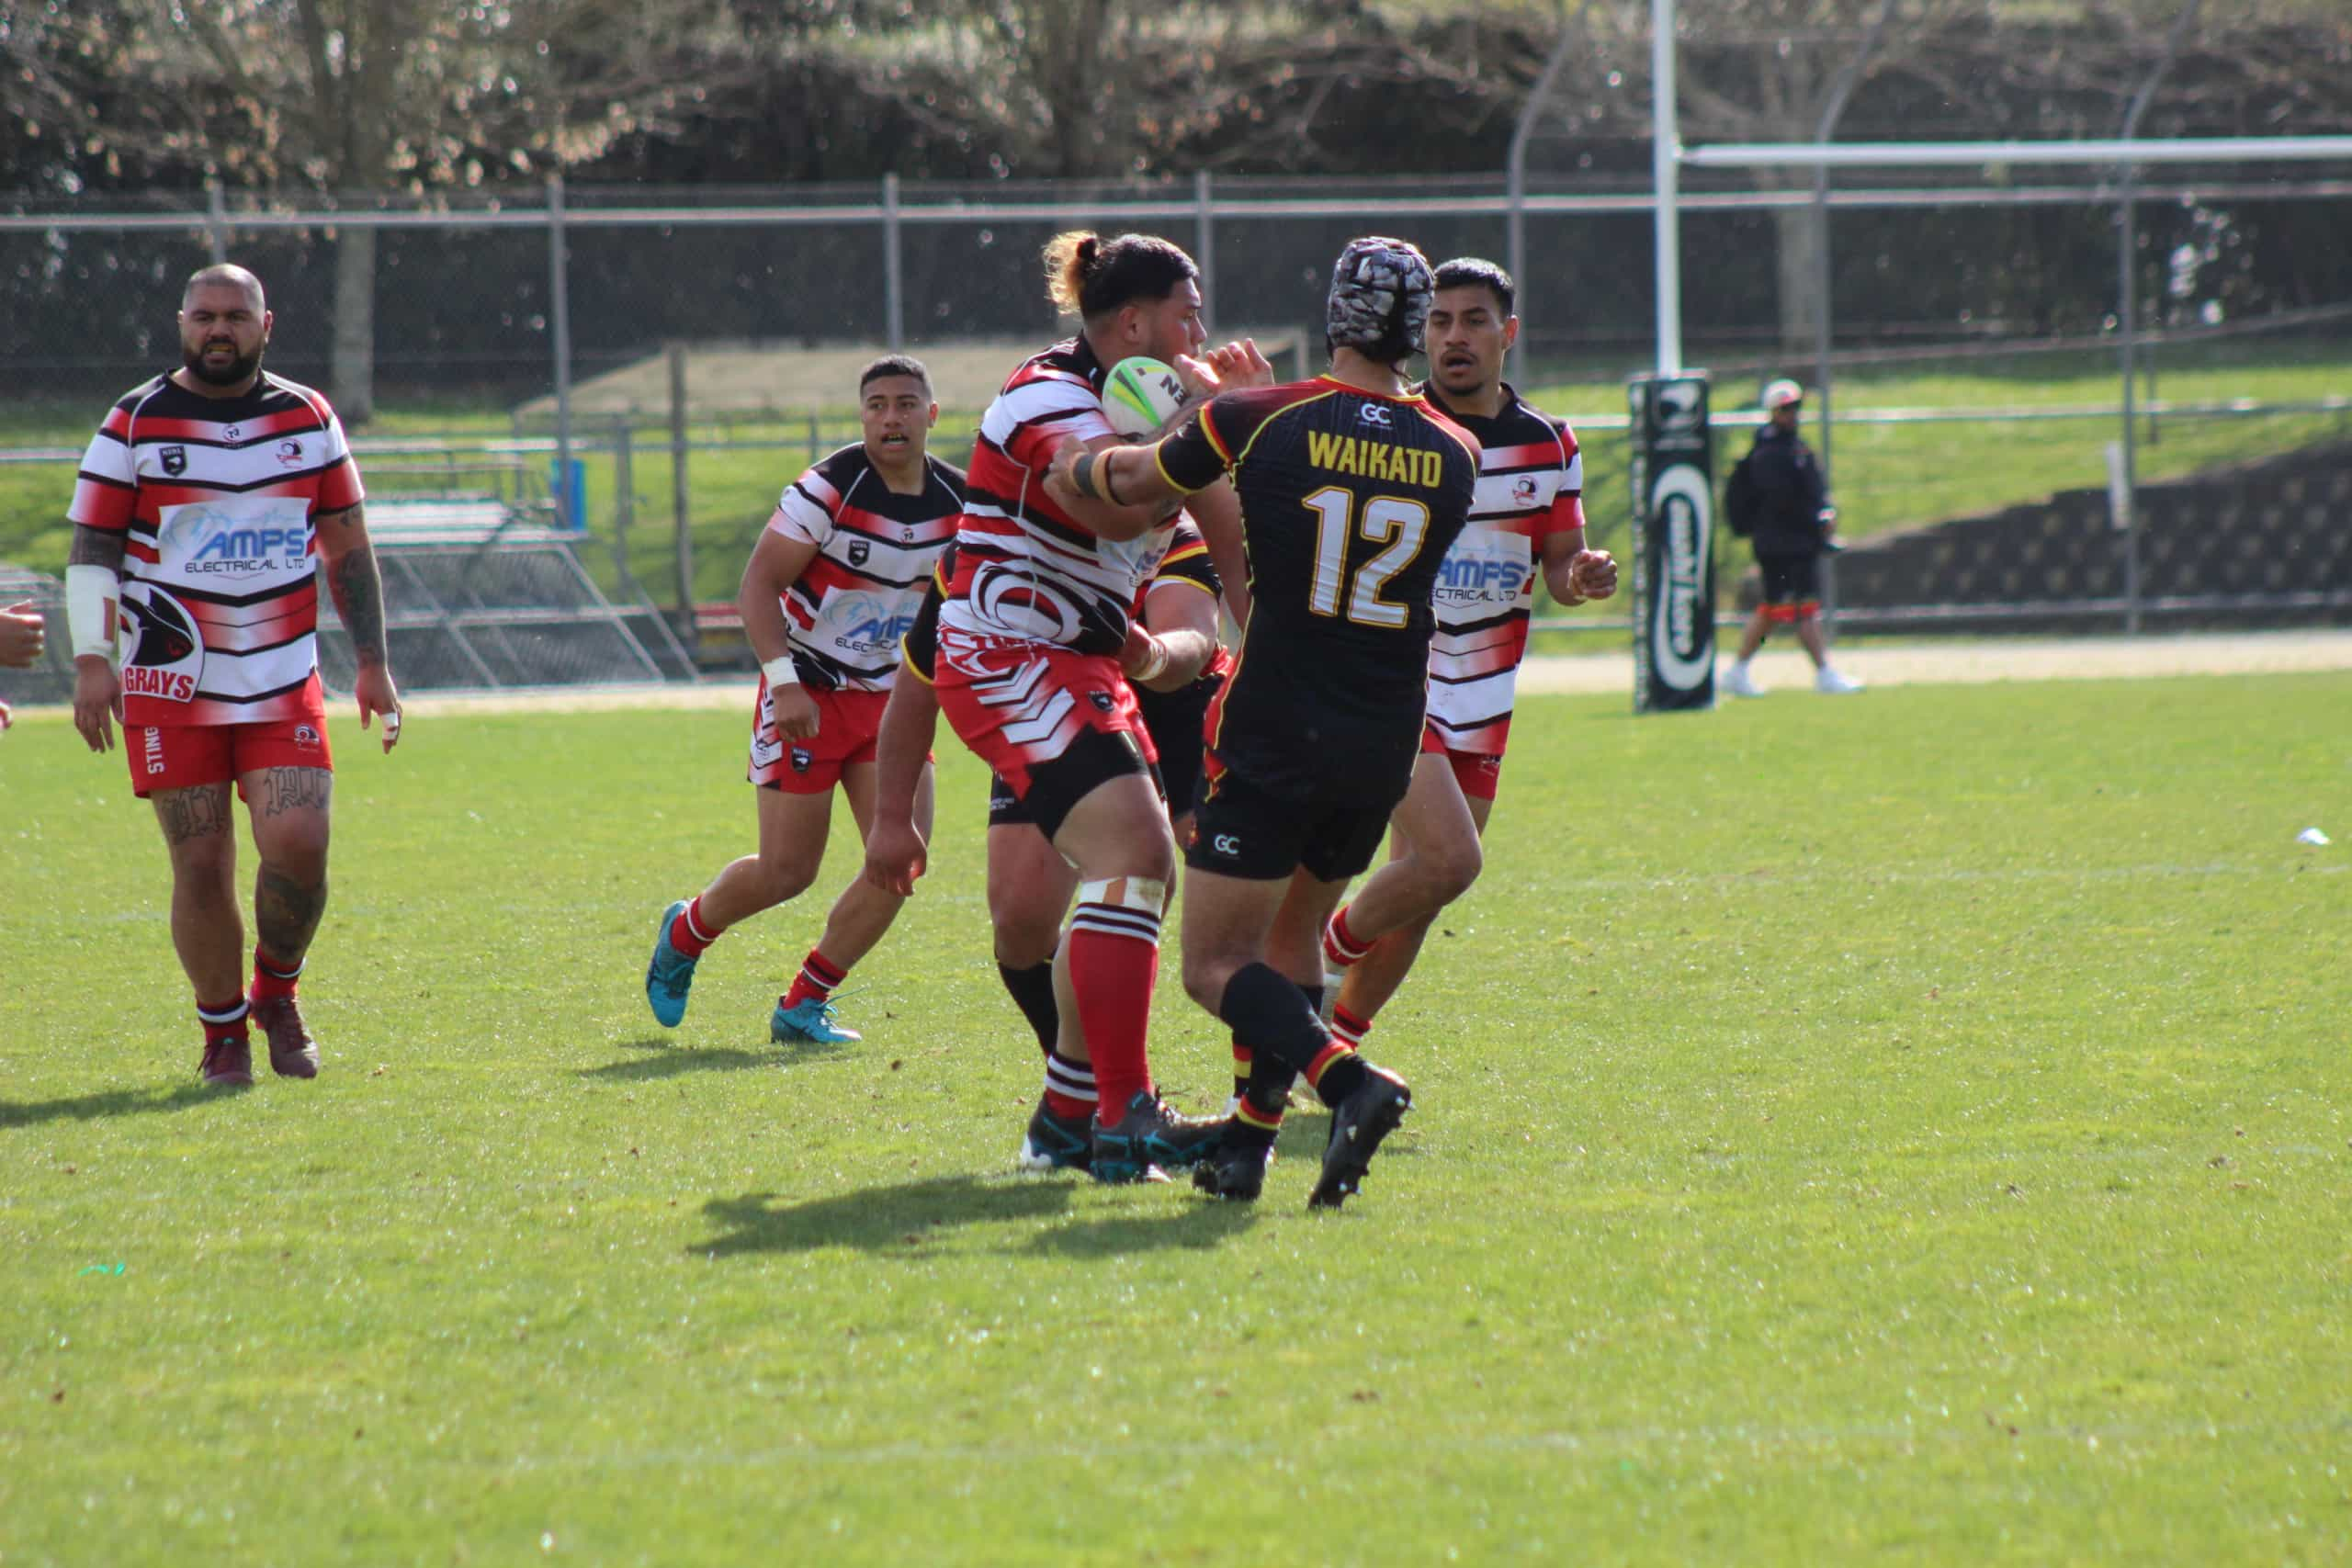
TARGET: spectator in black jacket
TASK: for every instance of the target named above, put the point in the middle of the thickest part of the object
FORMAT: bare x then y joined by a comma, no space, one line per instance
1778,498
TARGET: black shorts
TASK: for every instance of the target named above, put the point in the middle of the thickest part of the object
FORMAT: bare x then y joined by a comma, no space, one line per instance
1177,720
1791,580
1239,830
1007,809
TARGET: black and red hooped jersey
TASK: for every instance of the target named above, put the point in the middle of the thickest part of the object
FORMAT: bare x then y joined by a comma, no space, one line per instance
1026,569
220,596
850,606
1349,500
1530,485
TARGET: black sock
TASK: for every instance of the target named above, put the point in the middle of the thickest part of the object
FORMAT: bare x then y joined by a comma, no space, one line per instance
1032,993
1271,1079
1272,1013
1341,1077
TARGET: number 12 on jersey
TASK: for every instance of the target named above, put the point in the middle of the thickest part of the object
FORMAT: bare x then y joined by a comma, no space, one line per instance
1392,520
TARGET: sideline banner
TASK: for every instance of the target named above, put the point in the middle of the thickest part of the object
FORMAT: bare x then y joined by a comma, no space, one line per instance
1674,543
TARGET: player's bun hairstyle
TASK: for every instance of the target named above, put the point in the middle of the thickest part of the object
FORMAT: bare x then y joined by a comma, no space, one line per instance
893,364
1090,276
1379,303
1473,272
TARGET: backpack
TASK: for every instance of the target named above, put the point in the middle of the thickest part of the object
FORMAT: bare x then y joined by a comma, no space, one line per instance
1739,497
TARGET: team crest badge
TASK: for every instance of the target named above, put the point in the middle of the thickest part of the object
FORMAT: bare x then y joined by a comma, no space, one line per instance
801,759
858,551
1524,490
288,453
174,460
305,738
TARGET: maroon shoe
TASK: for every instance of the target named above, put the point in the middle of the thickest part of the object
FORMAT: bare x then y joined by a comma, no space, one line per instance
292,1053
227,1062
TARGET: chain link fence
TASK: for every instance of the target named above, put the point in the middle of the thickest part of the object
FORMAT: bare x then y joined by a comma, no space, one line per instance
522,344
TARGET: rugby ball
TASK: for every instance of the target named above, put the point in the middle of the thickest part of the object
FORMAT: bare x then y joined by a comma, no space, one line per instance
1140,394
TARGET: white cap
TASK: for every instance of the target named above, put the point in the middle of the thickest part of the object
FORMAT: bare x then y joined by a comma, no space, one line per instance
1780,394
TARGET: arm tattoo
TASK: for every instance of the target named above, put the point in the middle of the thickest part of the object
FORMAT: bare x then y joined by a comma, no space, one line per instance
358,590
197,812
97,547
295,789
285,913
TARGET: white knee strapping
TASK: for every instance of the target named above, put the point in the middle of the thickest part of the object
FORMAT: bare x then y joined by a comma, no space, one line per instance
1144,895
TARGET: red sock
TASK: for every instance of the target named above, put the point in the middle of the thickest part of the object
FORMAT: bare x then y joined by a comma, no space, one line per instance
272,978
691,932
1341,947
222,1020
1114,960
818,978
1348,1028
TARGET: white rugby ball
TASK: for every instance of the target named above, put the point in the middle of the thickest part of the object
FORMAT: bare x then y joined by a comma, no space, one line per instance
1140,395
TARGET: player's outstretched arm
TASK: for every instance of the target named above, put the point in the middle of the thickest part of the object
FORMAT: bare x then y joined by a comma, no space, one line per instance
777,563
93,593
353,577
895,852
1127,480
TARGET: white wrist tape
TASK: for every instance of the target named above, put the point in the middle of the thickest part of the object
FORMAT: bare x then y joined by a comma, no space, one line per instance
781,672
1155,658
91,593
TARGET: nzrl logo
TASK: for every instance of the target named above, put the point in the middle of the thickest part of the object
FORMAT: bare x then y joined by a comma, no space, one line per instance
859,551
801,759
174,460
1374,414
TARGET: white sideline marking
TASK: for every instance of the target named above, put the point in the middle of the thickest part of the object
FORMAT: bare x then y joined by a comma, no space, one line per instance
1980,661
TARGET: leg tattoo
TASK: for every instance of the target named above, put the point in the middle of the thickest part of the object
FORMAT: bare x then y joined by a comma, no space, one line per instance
285,913
294,789
197,812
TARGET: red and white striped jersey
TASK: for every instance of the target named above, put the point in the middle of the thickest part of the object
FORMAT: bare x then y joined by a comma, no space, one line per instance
1531,482
875,548
219,584
1026,569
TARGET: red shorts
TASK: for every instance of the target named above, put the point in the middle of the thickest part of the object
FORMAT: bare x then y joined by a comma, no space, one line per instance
1021,706
1478,772
176,756
847,723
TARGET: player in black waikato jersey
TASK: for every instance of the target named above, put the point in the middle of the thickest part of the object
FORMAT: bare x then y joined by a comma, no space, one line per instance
1351,489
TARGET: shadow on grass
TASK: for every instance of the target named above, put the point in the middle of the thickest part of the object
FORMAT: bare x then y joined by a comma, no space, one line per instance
878,1218
113,1103
670,1062
1196,1222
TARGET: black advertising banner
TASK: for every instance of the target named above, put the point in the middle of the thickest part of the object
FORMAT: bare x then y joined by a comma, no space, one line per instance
1674,544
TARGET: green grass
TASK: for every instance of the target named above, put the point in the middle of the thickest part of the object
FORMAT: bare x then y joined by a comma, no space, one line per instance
1913,1126
1887,476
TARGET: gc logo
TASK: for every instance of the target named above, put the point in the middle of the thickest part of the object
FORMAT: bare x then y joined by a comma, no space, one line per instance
1226,844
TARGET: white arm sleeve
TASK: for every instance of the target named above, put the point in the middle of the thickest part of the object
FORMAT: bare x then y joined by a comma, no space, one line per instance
91,595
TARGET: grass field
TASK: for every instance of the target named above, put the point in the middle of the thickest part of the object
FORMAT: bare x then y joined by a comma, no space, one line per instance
1888,476
1916,1126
